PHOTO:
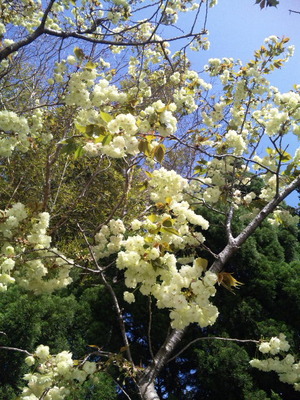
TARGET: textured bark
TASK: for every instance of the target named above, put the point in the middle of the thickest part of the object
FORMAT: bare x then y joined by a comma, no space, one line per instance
235,243
146,382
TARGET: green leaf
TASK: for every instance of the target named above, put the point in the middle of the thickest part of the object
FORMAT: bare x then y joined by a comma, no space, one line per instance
159,152
79,53
91,65
152,217
70,147
107,139
80,128
143,186
270,151
272,3
285,156
148,174
78,152
154,231
144,147
262,4
99,130
173,231
167,223
288,169
156,264
105,116
89,130
200,169
99,139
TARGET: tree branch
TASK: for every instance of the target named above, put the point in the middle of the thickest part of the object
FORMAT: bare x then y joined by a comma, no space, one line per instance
213,338
15,349
30,38
231,248
114,298
76,35
296,12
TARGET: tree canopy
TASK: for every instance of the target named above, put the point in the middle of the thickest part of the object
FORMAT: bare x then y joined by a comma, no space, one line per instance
137,196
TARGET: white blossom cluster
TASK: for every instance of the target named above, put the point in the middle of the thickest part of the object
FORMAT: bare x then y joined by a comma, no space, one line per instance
253,108
186,94
109,239
121,145
214,186
148,256
95,98
54,375
121,126
159,117
79,83
235,141
28,17
166,184
286,367
148,260
29,259
283,217
16,132
275,345
186,292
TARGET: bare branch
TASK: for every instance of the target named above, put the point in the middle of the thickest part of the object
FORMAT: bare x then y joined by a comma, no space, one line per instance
296,12
129,43
213,338
15,349
113,296
149,327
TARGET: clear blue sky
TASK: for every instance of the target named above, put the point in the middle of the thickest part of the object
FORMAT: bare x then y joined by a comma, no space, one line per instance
238,27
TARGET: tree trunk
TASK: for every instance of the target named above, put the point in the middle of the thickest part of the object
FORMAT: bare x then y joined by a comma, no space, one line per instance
146,383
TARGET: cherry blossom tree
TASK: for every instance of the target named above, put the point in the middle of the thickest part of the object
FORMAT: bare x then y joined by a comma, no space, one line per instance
236,136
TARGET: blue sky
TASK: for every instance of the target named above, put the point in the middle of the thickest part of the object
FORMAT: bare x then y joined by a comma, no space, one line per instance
238,27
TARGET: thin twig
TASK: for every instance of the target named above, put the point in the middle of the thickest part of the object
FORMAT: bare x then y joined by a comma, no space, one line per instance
123,390
213,338
113,295
295,12
15,349
15,191
149,327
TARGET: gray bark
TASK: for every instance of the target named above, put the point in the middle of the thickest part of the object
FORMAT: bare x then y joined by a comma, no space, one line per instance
235,243
146,382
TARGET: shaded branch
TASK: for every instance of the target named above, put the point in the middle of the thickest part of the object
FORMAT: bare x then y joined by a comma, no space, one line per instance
213,338
15,349
113,296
